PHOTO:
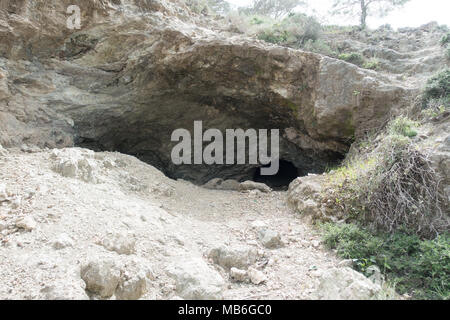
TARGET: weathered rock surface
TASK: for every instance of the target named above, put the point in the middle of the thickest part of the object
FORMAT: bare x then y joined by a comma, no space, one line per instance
234,257
346,284
143,72
26,223
251,185
63,241
101,276
122,243
220,184
256,277
269,238
195,280
238,275
133,282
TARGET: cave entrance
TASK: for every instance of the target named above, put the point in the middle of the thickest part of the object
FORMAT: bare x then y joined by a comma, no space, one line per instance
287,173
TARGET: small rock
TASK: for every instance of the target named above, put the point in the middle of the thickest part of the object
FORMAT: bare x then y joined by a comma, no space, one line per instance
3,151
109,164
220,184
132,287
238,275
256,276
63,241
251,185
346,263
101,276
375,275
65,291
270,239
346,284
195,280
240,257
315,243
15,204
3,226
122,243
27,223
259,225
3,193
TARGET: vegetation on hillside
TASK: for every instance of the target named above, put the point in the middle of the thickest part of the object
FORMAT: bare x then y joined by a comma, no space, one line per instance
395,214
414,266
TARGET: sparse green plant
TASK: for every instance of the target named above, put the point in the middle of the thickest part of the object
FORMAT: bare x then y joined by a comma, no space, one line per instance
404,126
372,64
438,88
293,31
419,267
352,57
445,40
319,46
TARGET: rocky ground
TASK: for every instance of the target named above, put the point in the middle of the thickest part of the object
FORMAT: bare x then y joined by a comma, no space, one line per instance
77,224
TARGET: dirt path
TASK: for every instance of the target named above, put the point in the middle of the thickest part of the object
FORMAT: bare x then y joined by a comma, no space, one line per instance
170,222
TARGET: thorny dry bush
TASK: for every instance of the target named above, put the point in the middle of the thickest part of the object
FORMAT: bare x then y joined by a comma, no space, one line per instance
393,186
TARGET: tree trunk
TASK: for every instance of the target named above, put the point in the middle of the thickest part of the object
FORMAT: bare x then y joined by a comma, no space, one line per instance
363,14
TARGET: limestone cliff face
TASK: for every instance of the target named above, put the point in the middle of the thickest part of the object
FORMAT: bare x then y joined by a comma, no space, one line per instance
137,70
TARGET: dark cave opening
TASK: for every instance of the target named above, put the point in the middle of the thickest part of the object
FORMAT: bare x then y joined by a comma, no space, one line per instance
286,174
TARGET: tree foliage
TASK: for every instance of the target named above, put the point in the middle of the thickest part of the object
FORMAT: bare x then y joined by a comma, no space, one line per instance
365,8
219,6
274,8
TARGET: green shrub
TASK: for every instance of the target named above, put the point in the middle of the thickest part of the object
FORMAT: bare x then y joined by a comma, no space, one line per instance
447,52
319,46
293,31
403,126
438,87
274,35
419,267
301,28
372,64
445,39
353,57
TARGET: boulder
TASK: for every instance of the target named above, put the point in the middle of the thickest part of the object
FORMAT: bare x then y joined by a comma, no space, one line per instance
270,238
346,284
76,163
240,257
195,280
102,277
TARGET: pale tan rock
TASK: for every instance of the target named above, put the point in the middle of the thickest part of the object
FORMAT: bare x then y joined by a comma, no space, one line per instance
102,276
27,223
256,277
